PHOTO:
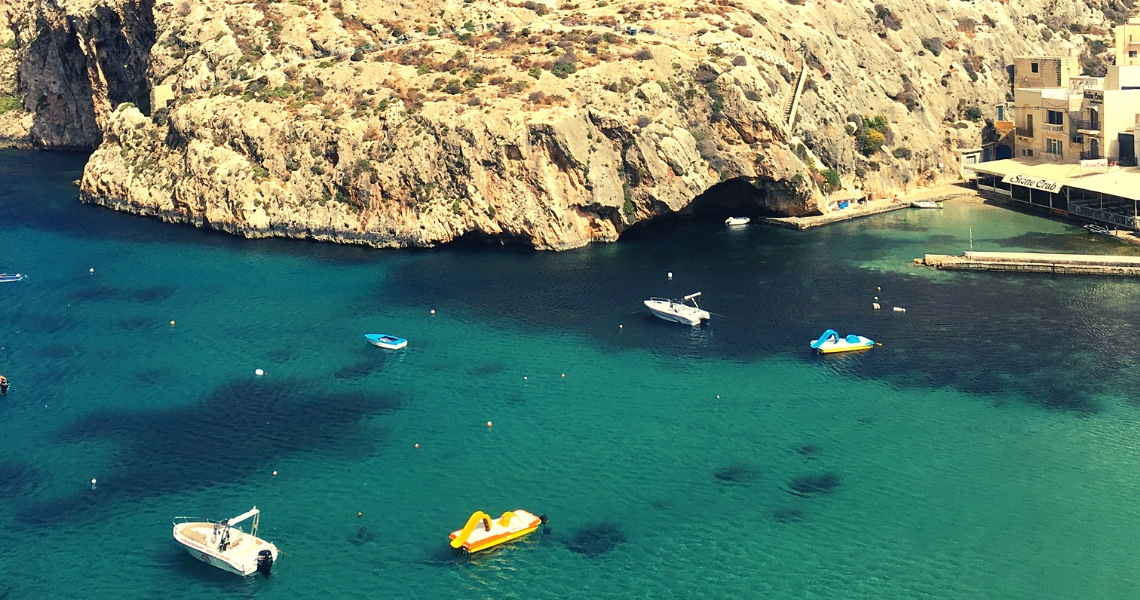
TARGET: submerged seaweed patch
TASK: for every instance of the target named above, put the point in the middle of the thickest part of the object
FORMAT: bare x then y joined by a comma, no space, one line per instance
808,450
788,514
595,540
238,428
360,369
736,474
814,484
16,477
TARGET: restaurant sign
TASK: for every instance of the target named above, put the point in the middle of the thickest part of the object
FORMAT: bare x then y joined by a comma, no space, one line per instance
1097,165
1036,183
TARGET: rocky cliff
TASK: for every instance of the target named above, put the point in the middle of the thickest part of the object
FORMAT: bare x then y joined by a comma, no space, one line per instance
397,124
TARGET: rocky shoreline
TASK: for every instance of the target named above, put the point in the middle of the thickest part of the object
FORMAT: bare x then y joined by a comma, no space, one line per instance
556,126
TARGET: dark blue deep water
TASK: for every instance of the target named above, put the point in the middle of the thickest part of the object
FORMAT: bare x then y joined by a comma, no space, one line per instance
988,449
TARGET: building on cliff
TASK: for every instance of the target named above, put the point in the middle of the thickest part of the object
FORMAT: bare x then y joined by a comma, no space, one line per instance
1075,137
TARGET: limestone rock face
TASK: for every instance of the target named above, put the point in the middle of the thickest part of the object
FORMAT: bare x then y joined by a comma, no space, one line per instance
411,124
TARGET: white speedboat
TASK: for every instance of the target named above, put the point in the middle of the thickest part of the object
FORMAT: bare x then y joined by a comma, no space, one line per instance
926,204
226,546
678,311
737,221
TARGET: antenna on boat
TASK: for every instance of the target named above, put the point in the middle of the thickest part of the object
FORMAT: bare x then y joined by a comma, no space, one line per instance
971,238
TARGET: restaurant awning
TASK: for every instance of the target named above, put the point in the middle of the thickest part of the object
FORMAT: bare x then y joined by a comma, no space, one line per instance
1043,170
1124,183
1120,182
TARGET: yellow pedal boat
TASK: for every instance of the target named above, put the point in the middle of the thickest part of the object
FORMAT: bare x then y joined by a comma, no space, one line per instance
481,532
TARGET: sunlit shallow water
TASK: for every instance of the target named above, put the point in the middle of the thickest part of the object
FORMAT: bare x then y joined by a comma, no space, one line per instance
985,450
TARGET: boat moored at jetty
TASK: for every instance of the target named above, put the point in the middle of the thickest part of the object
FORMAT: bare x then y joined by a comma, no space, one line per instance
384,340
678,311
737,221
226,546
925,204
830,342
482,532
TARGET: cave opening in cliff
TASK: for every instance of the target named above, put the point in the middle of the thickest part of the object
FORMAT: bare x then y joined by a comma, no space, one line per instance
738,197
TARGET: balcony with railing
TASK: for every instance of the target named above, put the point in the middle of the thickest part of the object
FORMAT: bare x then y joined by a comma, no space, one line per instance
1026,132
1052,128
1090,125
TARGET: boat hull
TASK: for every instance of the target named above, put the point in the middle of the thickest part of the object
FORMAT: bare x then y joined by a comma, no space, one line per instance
483,533
662,310
243,562
388,342
737,221
845,348
831,343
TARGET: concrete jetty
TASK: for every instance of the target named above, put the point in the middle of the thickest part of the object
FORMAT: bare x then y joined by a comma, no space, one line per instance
873,207
1036,262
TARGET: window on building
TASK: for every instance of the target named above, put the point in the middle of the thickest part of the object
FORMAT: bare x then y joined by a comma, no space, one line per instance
1033,67
1131,54
1053,146
1055,117
1029,153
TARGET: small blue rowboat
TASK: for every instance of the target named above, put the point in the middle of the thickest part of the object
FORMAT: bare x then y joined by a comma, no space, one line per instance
390,342
4,277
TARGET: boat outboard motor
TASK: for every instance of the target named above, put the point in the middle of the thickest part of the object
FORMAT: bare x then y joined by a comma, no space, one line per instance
542,519
264,562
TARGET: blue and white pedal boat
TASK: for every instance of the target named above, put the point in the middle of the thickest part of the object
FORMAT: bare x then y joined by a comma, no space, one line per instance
384,340
830,342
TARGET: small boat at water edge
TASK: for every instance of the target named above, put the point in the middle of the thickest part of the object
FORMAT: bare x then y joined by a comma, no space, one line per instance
481,532
384,340
5,277
830,342
1100,229
225,546
925,204
677,311
737,221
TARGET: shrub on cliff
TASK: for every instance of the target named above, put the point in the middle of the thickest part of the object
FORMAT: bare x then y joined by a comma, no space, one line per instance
871,135
8,103
831,178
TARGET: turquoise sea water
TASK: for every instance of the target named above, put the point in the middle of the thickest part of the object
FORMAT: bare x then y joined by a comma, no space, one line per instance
987,450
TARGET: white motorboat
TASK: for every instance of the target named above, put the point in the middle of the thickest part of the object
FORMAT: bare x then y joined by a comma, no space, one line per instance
737,221
926,204
226,546
678,311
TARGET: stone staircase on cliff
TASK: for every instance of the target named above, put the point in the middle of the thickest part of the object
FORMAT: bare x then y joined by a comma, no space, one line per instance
794,100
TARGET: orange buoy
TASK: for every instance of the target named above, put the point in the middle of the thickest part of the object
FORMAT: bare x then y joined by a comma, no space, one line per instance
417,446
488,424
